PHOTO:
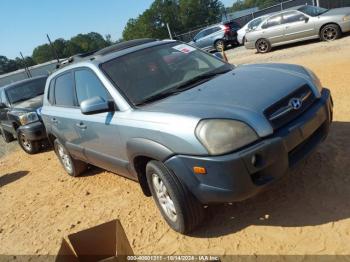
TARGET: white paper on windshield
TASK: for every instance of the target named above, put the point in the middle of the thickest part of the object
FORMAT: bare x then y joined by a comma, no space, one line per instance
184,48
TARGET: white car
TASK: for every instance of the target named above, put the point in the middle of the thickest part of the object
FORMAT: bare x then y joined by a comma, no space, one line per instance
249,26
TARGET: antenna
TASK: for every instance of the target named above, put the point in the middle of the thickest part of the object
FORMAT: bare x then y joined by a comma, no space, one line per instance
53,49
26,68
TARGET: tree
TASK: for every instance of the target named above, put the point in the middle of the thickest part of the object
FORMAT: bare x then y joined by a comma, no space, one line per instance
245,4
7,65
181,15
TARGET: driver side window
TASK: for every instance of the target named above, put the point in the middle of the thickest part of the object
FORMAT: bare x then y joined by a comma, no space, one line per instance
88,86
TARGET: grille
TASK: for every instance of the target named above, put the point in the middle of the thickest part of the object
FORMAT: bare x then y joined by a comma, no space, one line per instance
282,112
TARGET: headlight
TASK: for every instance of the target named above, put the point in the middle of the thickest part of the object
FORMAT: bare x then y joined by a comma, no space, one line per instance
315,79
346,18
221,136
27,117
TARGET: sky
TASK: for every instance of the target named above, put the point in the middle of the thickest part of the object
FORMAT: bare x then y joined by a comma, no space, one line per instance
25,23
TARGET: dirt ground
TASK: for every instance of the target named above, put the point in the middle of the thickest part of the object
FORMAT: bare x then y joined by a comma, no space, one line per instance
308,212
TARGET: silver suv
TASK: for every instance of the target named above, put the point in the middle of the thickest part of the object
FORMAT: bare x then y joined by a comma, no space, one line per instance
217,37
190,128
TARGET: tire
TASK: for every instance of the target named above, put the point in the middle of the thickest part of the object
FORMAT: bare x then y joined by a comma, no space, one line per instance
30,147
330,33
263,46
219,45
183,212
72,166
8,137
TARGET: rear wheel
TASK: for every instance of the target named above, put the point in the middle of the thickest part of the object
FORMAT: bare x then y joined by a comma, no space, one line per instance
220,45
180,209
263,46
8,137
72,166
330,32
30,147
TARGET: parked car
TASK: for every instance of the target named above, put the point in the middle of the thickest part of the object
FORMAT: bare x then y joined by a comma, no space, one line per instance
216,37
249,27
20,105
305,23
192,129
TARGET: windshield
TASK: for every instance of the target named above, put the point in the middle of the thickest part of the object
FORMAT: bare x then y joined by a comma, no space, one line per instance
312,10
25,91
162,69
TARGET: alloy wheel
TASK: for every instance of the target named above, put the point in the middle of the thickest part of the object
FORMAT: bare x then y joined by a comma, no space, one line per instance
66,160
164,198
330,34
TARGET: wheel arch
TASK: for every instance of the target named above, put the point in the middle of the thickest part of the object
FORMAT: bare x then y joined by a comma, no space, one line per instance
330,23
140,151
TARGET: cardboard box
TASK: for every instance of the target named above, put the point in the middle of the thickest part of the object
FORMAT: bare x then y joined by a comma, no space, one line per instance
107,242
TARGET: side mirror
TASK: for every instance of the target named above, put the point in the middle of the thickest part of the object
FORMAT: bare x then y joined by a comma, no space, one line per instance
3,105
306,19
194,40
95,105
218,55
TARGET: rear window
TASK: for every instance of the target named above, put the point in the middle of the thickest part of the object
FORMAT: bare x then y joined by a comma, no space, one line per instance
64,90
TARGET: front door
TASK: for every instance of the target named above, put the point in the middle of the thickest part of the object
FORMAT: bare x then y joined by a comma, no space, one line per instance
297,26
99,132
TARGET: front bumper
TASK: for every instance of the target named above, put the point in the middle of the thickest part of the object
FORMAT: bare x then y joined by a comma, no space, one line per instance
33,131
345,26
233,177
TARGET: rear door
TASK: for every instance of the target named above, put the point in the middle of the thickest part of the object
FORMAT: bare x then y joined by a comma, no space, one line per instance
273,29
64,113
297,26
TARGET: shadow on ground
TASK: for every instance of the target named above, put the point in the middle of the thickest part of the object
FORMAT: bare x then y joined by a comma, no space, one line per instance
12,177
317,192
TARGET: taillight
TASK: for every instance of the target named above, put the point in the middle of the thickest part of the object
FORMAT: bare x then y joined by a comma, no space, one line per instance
226,29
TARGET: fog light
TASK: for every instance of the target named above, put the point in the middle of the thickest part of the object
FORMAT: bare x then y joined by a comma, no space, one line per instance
199,170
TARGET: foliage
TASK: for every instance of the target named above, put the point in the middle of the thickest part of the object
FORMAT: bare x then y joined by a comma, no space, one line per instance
181,15
245,4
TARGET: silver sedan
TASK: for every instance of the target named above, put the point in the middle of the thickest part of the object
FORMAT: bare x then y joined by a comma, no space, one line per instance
304,23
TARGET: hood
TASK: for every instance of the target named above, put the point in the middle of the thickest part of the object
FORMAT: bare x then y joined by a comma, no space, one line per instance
30,104
243,94
337,11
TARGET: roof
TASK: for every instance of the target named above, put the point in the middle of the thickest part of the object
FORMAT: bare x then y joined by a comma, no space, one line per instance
23,81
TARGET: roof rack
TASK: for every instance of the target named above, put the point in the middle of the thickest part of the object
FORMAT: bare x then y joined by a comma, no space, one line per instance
107,50
124,45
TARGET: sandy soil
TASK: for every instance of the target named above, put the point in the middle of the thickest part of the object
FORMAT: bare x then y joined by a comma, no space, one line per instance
308,212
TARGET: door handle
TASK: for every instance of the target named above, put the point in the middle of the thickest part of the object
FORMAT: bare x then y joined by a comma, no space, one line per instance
287,27
81,125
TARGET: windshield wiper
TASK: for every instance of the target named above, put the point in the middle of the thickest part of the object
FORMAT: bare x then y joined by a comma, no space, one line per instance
183,86
199,79
156,97
21,100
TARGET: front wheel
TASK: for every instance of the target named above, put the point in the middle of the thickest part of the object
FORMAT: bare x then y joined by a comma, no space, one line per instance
30,147
180,209
330,33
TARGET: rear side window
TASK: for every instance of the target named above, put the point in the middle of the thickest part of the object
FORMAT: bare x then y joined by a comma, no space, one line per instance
273,21
64,90
51,95
88,85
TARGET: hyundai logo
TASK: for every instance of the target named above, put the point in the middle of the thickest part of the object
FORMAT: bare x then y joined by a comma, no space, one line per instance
296,103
